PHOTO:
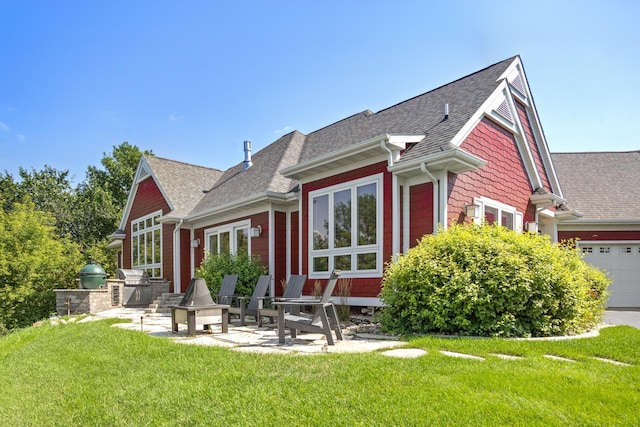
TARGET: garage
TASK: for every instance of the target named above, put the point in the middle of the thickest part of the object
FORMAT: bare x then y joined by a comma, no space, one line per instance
622,261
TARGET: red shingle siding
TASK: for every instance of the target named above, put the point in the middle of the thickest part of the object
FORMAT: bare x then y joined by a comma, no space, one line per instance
368,287
280,250
599,235
420,212
149,199
535,150
502,179
185,260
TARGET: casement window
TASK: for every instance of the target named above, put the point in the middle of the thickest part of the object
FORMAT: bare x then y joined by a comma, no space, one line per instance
229,239
345,228
146,244
494,212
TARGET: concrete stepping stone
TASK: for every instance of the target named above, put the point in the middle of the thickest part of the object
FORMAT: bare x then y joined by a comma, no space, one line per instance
613,362
405,353
558,358
461,355
507,356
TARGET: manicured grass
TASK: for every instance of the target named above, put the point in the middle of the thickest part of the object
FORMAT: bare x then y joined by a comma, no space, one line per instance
93,374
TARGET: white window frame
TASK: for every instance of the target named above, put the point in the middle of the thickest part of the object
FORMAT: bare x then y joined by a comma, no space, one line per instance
354,250
136,232
230,228
485,202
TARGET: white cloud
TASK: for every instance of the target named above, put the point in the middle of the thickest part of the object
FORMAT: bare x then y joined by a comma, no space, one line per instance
175,117
285,129
4,127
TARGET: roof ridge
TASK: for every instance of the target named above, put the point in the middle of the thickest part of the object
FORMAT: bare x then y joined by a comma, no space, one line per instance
365,113
448,84
147,156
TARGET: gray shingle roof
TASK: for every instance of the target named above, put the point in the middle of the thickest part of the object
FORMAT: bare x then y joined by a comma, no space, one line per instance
422,114
601,185
182,183
264,176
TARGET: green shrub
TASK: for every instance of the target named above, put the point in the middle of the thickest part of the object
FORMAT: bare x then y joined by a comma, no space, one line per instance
248,269
491,281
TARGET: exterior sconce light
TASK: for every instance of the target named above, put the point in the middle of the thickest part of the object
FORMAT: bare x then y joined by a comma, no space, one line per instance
255,231
472,211
195,243
531,227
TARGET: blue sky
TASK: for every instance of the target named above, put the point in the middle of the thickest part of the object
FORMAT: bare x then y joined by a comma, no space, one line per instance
191,80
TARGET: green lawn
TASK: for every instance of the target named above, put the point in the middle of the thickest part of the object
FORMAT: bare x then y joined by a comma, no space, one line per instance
91,374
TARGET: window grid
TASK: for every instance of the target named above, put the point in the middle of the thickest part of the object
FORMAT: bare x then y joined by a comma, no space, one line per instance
146,244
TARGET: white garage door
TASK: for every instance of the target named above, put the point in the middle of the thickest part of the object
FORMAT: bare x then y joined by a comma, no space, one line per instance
622,261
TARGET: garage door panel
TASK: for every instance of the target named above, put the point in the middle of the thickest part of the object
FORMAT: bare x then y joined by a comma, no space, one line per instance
622,262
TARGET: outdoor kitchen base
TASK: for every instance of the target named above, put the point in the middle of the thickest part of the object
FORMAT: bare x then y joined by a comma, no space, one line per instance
196,316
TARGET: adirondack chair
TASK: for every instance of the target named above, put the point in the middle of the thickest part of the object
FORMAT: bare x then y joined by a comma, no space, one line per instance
227,289
255,302
324,319
293,290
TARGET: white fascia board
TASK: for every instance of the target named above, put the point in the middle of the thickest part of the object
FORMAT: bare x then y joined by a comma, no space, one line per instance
602,224
439,161
269,196
388,142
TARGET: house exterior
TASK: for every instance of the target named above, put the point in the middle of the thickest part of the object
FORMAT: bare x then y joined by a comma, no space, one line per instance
354,193
603,186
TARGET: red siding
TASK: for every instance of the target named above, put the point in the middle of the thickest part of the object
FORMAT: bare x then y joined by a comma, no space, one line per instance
185,259
420,212
295,245
360,287
535,150
502,179
280,249
149,199
600,235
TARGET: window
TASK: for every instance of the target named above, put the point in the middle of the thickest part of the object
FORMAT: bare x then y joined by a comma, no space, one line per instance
498,213
345,225
228,239
146,244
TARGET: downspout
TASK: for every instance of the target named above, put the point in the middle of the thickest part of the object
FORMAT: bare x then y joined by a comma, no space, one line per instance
436,195
395,200
176,257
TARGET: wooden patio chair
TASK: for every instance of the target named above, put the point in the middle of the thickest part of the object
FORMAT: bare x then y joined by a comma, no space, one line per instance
255,302
324,319
293,290
227,289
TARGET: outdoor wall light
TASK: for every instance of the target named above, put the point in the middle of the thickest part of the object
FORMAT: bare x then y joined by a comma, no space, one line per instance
472,211
255,231
195,243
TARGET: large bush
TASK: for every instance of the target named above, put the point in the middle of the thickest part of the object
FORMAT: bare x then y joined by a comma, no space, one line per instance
215,266
33,262
491,281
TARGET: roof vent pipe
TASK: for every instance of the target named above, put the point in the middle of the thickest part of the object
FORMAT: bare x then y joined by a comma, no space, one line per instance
446,111
247,155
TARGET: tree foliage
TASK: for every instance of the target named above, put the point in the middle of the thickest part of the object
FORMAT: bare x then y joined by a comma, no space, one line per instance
491,281
34,260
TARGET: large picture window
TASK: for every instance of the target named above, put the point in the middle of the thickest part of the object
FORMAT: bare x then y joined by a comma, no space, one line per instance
146,244
345,226
229,239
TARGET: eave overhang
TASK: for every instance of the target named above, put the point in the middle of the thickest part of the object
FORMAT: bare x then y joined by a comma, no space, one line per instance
546,200
116,239
388,144
453,160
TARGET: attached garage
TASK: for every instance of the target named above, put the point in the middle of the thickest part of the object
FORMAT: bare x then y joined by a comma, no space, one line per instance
622,261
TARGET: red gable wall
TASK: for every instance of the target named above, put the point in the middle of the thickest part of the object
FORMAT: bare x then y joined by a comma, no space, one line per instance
503,178
149,199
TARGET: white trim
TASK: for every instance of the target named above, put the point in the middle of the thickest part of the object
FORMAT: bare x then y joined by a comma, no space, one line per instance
271,249
484,202
229,228
146,230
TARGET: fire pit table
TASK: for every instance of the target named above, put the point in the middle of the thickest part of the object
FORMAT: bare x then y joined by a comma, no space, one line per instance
202,315
198,308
